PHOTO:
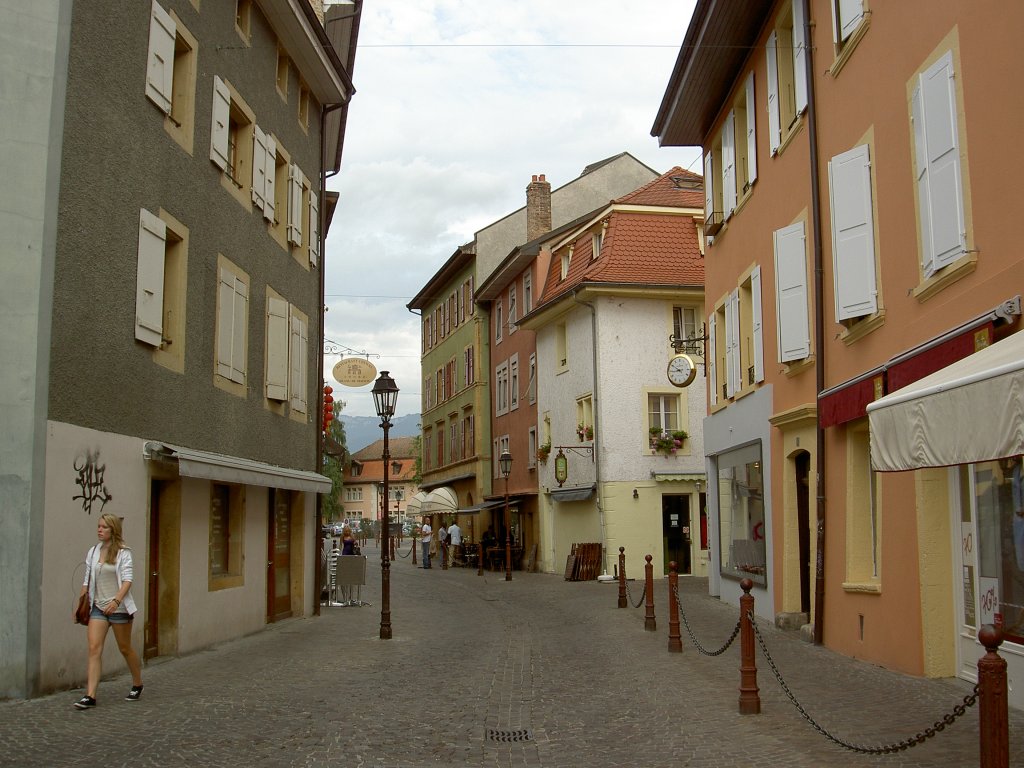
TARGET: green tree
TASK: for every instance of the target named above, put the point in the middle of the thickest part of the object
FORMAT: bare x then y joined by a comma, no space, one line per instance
336,458
416,444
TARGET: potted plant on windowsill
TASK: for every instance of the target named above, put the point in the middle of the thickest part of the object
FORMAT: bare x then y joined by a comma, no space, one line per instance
544,451
667,442
584,431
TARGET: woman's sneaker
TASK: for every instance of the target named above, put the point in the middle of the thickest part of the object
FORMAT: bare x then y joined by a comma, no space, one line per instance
134,693
86,702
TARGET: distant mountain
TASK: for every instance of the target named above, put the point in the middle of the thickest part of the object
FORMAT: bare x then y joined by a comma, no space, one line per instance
360,431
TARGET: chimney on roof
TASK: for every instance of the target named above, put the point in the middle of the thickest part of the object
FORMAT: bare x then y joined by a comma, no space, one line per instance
538,207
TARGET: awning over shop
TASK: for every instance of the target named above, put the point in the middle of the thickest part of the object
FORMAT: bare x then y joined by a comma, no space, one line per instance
684,477
969,411
415,504
847,401
232,469
480,507
573,494
440,501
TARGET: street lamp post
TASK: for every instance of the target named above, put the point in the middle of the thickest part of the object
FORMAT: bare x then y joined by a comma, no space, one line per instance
385,397
505,461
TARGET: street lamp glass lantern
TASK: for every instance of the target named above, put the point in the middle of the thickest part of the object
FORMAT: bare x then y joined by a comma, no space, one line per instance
385,395
505,461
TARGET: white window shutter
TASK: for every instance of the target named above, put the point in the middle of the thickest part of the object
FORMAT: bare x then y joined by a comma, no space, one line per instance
729,165
732,384
270,172
774,118
853,243
799,55
791,293
149,287
709,360
295,178
160,70
225,321
277,349
239,326
709,187
219,128
923,194
751,133
259,168
942,155
297,364
314,229
847,15
755,311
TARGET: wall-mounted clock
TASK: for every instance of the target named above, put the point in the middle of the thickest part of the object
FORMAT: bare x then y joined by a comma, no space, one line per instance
681,370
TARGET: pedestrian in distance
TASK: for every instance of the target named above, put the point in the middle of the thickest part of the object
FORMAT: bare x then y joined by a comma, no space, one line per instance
455,540
442,543
108,583
348,541
425,539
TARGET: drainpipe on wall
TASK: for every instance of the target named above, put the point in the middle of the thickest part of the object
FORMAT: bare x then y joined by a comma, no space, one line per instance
596,402
819,333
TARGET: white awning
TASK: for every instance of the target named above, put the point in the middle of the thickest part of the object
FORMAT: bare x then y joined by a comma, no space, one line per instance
970,411
415,503
232,469
440,501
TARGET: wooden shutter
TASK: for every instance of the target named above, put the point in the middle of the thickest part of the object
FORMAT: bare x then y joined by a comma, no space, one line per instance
755,311
791,293
149,287
160,69
940,186
729,165
295,177
751,133
709,360
774,118
270,174
846,15
314,229
259,168
297,364
799,56
733,381
232,318
709,187
277,349
220,129
853,243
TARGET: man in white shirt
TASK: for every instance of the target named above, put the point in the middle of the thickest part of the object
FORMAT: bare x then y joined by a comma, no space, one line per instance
425,541
455,536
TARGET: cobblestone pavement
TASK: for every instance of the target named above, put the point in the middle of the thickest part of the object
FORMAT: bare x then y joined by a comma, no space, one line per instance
475,659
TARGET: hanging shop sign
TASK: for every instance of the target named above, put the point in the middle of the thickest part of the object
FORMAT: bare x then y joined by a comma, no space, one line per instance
354,372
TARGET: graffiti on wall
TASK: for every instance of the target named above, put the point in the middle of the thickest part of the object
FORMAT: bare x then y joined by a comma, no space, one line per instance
89,477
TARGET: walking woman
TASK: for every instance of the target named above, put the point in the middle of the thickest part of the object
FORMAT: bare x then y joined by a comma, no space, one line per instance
108,582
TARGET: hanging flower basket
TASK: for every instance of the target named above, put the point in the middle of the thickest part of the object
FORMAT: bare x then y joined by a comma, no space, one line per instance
667,443
543,452
585,432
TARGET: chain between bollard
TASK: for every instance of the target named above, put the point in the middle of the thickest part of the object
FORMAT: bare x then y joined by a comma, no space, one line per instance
696,643
407,553
630,596
898,746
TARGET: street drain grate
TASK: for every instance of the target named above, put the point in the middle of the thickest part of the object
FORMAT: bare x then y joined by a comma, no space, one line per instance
497,734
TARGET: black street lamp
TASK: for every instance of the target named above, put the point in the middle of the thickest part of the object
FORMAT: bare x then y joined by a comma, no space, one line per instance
505,462
385,397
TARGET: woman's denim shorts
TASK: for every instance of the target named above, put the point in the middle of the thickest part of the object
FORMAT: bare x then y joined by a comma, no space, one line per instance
114,618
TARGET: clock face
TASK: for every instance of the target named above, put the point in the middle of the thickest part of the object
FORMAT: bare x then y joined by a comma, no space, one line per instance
681,370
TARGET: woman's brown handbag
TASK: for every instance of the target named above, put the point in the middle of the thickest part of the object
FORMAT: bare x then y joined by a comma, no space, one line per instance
82,611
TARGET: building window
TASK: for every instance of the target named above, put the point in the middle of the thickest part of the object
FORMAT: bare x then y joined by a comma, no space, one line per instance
303,106
453,435
512,308
863,542
561,348
440,444
232,324
751,338
427,449
282,73
787,77
663,415
501,399
354,493
531,448
849,22
469,366
513,379
442,394
794,336
564,261
684,326
527,293
243,19
741,521
596,241
171,74
853,236
287,352
232,139
227,508
585,417
160,285
498,320
264,173
532,387
468,437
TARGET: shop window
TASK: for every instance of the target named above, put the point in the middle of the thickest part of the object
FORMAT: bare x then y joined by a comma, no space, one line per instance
227,513
741,519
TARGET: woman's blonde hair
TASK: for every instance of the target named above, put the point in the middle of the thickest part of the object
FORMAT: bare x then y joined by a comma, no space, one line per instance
346,532
116,540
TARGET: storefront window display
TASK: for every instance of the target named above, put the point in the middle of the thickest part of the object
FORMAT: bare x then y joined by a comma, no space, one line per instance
998,490
741,521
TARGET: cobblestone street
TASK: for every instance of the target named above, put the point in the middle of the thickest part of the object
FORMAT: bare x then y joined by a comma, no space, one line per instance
475,658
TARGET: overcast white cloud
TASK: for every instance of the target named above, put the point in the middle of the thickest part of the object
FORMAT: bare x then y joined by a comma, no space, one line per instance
458,104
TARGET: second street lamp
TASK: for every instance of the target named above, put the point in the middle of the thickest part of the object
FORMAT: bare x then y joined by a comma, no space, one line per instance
505,461
385,397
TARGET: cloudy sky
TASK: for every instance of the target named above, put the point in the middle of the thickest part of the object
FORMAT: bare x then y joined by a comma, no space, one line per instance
458,104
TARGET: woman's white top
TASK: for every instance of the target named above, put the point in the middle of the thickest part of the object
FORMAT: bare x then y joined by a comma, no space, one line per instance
123,572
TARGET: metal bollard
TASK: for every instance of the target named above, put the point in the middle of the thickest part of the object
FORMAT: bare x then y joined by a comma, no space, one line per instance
622,577
414,543
750,701
993,717
444,556
675,642
649,623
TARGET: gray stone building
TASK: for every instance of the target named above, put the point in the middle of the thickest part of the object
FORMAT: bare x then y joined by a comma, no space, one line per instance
163,225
